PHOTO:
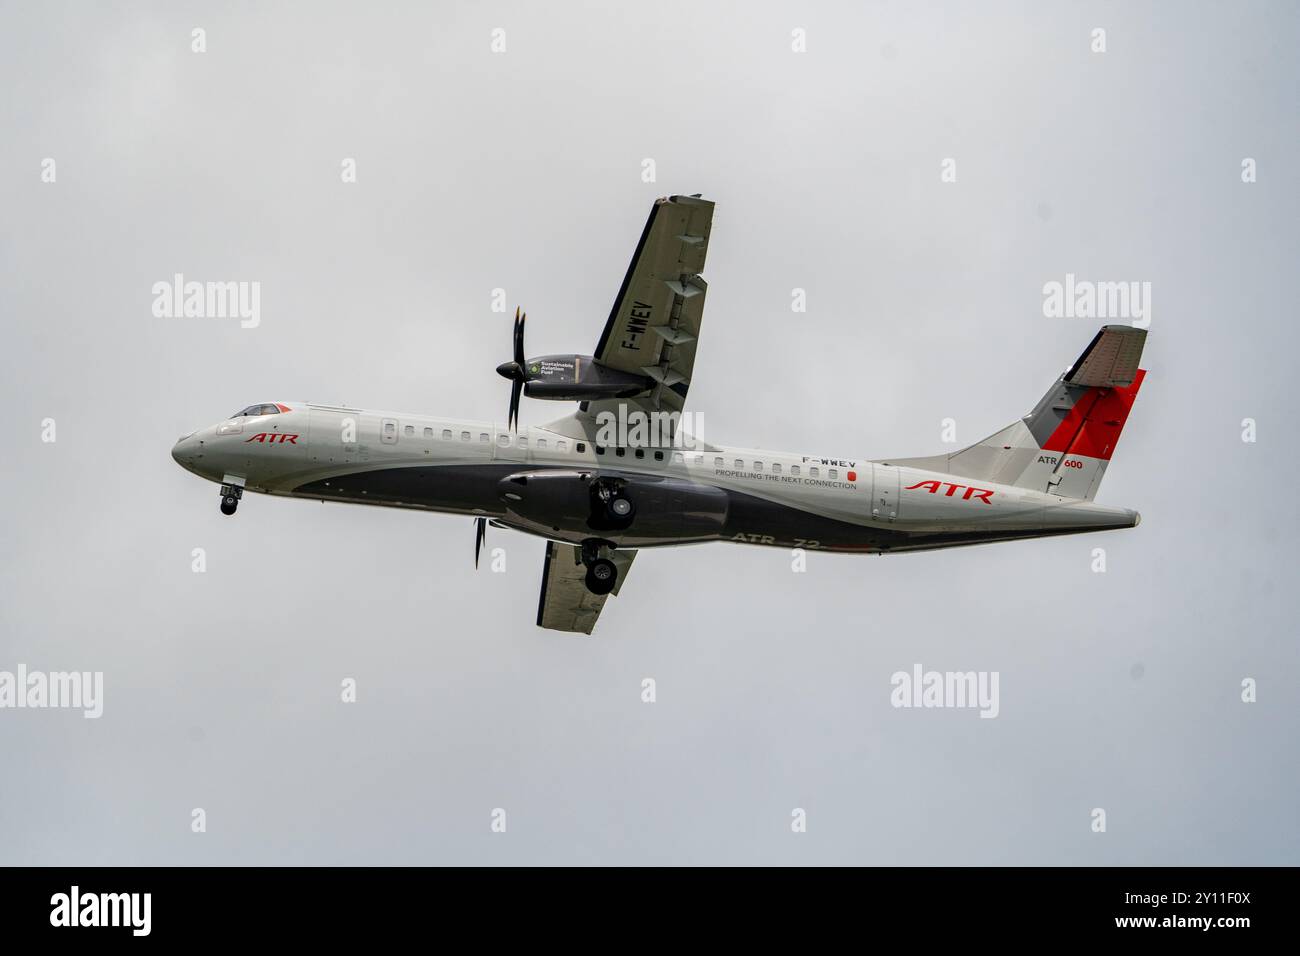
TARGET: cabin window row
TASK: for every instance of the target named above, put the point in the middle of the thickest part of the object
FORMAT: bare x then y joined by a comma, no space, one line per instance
637,453
561,445
503,439
775,468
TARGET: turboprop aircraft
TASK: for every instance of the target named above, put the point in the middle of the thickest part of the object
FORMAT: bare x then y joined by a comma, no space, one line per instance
598,500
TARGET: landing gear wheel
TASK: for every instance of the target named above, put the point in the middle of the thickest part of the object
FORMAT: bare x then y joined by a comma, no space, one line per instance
230,495
612,508
602,575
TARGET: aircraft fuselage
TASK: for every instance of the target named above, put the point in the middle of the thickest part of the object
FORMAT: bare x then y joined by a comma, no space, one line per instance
536,480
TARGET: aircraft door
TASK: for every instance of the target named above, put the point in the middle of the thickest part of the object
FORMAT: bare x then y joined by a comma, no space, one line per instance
884,493
335,435
502,440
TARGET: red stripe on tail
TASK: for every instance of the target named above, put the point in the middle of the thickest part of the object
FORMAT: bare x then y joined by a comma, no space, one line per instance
1093,425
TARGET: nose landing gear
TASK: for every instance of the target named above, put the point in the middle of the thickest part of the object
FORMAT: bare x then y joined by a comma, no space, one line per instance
230,495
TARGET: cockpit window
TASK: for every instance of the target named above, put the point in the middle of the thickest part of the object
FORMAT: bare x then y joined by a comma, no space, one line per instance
253,410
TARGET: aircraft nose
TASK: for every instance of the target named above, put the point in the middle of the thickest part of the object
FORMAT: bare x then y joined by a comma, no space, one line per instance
183,450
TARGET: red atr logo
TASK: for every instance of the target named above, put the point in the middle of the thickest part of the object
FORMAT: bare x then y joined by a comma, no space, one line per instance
271,438
978,494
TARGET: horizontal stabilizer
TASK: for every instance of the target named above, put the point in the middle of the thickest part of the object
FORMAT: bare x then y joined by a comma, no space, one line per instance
1110,360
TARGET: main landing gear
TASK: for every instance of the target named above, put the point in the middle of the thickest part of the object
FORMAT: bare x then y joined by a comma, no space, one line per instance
230,495
602,573
611,506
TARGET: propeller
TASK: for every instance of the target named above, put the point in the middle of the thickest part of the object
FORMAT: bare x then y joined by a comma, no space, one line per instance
515,370
480,532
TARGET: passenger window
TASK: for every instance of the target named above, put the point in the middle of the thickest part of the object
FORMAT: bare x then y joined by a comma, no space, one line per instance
582,447
640,452
814,472
776,468
523,442
758,466
620,452
740,465
483,438
503,439
409,430
464,436
541,443
719,463
834,474
390,429
677,457
599,450
446,434
561,445
428,433
794,469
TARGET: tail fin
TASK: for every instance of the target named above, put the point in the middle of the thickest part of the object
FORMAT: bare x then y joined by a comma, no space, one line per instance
1063,446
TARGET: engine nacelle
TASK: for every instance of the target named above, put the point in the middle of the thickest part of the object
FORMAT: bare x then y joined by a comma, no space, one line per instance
579,378
641,507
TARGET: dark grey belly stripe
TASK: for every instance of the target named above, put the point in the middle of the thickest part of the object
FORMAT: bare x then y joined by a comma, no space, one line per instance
472,489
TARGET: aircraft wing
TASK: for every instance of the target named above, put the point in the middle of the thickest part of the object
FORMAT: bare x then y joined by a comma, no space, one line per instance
654,325
565,603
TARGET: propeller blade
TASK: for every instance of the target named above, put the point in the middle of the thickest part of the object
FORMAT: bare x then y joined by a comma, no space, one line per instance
480,532
516,387
515,370
519,338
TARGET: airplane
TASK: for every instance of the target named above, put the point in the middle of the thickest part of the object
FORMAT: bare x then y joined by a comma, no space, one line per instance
599,495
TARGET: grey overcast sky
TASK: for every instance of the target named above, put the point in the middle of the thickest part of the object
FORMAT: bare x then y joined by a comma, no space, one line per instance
522,170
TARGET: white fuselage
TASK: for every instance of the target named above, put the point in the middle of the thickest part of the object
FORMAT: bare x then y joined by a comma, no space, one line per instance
780,499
